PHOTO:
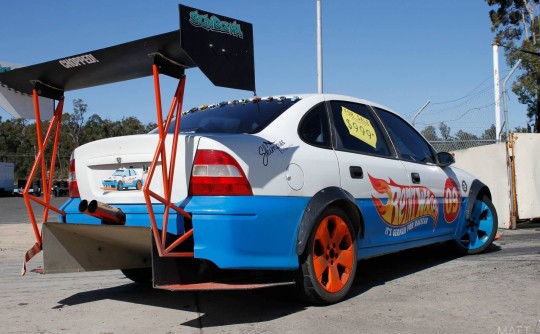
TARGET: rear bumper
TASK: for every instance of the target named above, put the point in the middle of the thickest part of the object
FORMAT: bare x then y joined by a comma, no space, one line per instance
234,232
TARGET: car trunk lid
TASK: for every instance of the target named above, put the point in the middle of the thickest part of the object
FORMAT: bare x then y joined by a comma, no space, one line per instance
113,170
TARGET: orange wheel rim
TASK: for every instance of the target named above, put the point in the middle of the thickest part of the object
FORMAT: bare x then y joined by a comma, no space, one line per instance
333,253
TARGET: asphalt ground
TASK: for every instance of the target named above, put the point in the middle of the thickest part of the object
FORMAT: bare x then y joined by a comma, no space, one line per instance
425,290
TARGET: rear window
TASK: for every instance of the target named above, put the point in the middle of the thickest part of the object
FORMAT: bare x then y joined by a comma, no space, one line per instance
233,117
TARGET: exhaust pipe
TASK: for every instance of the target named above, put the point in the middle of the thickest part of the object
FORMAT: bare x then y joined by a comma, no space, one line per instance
109,215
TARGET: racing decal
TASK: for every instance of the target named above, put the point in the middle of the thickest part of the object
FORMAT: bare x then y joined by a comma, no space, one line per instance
406,208
78,61
359,127
451,200
268,148
125,179
464,186
215,24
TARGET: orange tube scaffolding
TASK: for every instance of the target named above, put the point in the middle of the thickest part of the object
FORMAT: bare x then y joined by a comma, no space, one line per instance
167,169
46,178
160,155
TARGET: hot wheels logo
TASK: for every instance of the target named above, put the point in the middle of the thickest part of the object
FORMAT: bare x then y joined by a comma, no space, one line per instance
405,204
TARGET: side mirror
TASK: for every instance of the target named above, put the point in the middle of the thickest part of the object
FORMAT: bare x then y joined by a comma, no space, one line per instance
445,159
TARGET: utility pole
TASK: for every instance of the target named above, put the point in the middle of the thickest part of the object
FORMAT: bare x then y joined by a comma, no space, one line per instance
497,90
419,111
319,49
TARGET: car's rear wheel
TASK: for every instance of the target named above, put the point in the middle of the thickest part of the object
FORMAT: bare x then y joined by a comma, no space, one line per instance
328,265
120,186
139,185
142,276
479,231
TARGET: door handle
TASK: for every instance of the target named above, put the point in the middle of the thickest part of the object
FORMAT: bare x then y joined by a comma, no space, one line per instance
356,172
415,177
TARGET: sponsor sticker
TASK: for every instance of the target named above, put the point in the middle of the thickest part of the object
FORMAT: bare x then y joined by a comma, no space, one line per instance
78,61
406,207
213,23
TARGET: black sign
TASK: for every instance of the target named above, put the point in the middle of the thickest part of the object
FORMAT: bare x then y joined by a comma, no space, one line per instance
221,47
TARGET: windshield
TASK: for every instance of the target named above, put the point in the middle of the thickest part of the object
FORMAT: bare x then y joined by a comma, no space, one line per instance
119,172
233,117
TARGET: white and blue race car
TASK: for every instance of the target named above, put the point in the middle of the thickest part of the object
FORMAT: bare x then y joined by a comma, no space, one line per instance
303,185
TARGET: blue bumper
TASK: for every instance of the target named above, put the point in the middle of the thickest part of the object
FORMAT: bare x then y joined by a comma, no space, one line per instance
234,232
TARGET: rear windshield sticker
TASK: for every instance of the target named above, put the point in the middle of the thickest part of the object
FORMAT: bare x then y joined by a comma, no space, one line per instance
359,127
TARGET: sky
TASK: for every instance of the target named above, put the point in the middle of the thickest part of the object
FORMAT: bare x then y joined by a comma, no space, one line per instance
397,53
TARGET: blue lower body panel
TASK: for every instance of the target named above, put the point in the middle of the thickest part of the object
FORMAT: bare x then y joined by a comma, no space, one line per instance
234,232
260,232
252,232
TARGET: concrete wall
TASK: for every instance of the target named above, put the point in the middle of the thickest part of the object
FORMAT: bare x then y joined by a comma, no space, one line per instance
488,164
527,174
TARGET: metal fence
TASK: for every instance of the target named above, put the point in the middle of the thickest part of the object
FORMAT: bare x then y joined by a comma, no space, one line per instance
460,123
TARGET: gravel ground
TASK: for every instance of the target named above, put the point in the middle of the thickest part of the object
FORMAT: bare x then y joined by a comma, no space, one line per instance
426,290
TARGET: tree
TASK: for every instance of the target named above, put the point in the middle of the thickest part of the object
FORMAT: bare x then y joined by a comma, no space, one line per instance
517,27
73,123
445,131
430,133
18,143
489,133
522,129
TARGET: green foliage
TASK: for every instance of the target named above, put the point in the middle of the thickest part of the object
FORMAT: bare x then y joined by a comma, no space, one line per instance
517,29
444,140
430,133
18,143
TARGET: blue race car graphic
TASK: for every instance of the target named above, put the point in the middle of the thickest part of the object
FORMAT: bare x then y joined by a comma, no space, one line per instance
123,178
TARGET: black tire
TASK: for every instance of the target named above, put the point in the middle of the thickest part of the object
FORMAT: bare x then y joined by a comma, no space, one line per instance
479,231
138,186
141,276
337,259
120,186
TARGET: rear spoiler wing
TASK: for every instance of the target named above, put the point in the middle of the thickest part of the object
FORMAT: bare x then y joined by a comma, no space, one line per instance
220,46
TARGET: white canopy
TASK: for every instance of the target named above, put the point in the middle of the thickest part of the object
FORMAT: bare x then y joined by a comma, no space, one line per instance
21,105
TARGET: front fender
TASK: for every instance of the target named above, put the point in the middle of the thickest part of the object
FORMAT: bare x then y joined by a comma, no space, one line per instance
477,188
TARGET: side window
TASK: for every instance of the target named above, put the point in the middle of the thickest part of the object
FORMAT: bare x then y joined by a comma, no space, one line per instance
314,128
356,130
409,143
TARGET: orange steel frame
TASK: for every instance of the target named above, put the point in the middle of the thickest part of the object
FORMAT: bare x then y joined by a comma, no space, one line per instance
39,163
175,112
167,170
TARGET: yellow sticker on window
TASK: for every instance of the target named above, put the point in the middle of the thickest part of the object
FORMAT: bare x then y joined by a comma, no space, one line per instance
359,127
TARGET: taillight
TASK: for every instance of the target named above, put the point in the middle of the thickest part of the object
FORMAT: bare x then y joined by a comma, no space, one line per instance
216,173
73,187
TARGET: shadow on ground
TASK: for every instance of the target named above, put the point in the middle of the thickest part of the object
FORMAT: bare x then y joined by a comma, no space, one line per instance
219,308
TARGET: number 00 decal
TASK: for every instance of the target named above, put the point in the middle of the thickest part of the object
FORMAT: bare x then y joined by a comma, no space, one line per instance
451,200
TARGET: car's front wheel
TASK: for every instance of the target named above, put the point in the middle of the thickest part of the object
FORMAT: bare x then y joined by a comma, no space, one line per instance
329,263
479,231
120,186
